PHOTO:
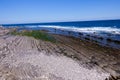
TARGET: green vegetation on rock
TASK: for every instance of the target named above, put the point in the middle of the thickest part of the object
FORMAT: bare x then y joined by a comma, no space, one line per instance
37,34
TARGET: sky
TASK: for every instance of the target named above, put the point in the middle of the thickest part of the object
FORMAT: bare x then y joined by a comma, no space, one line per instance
35,11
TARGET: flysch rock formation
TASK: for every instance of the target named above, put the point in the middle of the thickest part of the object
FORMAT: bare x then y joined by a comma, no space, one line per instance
25,58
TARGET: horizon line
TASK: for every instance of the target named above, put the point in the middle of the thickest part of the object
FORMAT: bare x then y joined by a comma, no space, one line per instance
58,21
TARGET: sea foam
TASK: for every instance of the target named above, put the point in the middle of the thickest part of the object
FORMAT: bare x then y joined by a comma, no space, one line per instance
112,30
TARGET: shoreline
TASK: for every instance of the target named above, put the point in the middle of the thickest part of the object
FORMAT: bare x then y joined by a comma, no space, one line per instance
93,34
94,43
87,54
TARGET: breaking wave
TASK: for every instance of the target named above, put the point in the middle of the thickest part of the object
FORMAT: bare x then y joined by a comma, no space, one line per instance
112,30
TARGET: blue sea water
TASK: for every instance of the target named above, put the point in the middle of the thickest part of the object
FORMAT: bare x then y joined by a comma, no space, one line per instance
104,32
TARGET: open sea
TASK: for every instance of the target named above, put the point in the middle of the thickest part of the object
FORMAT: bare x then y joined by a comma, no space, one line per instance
103,32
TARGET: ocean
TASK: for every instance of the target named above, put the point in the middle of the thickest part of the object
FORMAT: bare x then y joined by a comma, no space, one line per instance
103,32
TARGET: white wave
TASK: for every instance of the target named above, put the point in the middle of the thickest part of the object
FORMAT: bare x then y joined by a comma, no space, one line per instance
112,30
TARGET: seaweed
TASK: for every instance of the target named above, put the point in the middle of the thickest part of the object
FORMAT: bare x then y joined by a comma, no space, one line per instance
37,34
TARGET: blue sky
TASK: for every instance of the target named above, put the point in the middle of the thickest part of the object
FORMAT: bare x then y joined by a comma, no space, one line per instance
27,11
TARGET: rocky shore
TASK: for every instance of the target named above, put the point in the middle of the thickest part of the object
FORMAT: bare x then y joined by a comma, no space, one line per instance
27,58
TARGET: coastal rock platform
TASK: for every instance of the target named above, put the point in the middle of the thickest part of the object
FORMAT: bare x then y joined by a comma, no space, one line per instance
26,58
